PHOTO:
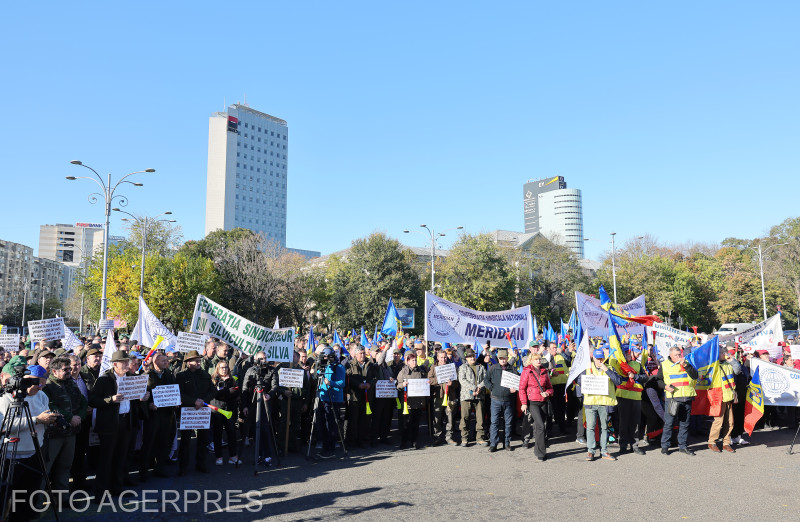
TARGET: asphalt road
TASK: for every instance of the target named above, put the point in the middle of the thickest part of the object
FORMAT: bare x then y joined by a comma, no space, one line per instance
758,481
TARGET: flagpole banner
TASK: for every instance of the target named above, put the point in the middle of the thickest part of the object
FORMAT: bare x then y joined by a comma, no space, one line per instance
448,322
215,320
70,342
781,385
148,327
581,361
594,320
667,337
764,336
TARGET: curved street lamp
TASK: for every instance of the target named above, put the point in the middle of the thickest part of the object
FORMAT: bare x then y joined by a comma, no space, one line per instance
433,236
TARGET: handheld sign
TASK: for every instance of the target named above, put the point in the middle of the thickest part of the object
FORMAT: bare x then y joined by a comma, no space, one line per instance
192,419
446,372
167,395
289,378
132,387
419,388
189,341
385,390
9,342
795,352
46,329
105,324
594,384
509,380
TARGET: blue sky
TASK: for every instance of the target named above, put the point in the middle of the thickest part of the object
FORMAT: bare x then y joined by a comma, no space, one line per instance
675,119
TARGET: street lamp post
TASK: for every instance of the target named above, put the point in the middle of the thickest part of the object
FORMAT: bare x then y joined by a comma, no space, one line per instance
108,195
433,237
761,253
613,260
144,221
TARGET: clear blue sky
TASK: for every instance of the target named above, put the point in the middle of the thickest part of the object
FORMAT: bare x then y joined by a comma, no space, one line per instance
677,119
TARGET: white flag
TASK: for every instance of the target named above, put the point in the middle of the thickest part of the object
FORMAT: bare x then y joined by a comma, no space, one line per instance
148,327
581,361
108,351
277,324
70,342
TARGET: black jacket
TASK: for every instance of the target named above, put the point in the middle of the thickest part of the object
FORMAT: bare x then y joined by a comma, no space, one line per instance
494,375
107,420
154,380
358,375
227,394
195,385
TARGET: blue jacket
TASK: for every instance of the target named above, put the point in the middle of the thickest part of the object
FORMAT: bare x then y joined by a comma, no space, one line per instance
335,392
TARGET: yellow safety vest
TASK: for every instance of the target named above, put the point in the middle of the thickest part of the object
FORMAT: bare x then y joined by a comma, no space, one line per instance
675,375
560,370
728,385
631,389
604,400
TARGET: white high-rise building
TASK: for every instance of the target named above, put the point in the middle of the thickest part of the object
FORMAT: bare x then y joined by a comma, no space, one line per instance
246,183
70,244
555,211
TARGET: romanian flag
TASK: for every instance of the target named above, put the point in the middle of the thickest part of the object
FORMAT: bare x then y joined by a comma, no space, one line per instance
616,356
312,343
709,381
754,408
619,315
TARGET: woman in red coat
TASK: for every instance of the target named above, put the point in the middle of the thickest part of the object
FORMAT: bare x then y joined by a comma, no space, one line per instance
534,390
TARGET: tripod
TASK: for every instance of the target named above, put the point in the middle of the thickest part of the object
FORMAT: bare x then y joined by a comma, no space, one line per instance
317,402
18,413
260,402
794,439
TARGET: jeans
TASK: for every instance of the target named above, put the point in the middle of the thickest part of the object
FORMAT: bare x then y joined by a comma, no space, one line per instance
61,451
593,412
683,416
499,407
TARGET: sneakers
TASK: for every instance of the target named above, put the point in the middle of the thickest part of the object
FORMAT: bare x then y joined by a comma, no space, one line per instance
210,447
581,441
609,456
218,462
233,460
740,440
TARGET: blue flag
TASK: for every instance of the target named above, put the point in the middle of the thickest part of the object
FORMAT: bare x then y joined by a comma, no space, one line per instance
705,360
391,320
338,340
476,345
578,333
364,341
376,339
550,335
564,331
573,322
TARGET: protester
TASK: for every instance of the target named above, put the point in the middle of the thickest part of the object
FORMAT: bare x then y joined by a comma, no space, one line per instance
331,396
472,376
413,406
677,379
723,423
595,405
535,389
159,423
226,398
361,377
196,391
501,400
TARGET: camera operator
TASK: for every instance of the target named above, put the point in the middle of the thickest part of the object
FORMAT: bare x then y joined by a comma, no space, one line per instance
331,397
28,473
259,377
65,399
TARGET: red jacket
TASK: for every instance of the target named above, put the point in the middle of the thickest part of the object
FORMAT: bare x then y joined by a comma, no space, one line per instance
529,390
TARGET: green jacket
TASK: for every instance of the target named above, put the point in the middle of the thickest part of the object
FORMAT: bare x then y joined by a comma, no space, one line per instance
65,398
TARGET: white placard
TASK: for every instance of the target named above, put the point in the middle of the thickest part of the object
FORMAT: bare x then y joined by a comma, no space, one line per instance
192,419
446,372
419,388
167,395
289,378
132,387
795,352
594,384
385,389
50,329
509,380
9,342
105,324
189,341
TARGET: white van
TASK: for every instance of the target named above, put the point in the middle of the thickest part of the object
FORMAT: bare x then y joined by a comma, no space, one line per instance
733,328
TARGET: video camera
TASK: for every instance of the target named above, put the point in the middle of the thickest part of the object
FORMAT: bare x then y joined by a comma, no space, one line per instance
19,383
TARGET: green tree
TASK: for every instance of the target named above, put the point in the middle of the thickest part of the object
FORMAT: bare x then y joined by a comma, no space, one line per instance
477,274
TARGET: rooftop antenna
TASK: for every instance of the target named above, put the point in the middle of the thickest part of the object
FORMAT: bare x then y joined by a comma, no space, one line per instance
245,100
224,105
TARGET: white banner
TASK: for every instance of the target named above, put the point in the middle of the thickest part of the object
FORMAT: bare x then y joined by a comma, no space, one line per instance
9,342
108,351
445,373
148,327
212,319
594,320
795,350
192,419
189,341
510,381
581,361
452,323
419,388
764,336
781,385
594,384
289,378
167,395
132,386
667,337
385,390
50,329
70,342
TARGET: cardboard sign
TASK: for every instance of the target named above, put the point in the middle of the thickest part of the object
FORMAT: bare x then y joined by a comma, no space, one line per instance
289,378
9,342
50,329
594,384
419,388
795,352
105,324
446,372
192,419
190,341
167,395
385,390
509,380
132,387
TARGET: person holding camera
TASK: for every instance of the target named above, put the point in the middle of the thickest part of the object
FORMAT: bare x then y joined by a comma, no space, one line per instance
535,389
115,420
331,396
66,400
28,473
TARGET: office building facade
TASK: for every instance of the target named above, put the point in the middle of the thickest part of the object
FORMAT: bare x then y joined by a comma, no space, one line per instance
70,244
247,172
555,211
